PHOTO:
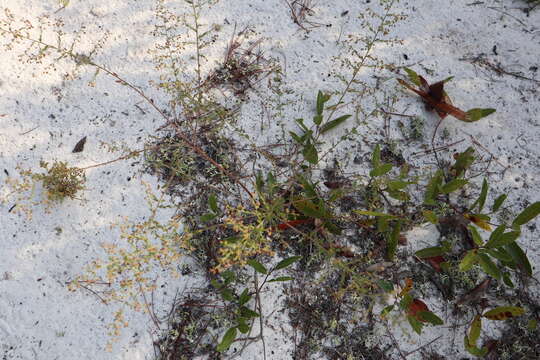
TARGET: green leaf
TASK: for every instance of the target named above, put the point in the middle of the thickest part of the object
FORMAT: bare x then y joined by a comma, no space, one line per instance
393,241
376,156
430,216
430,252
259,182
248,313
310,153
387,286
507,280
335,194
448,79
476,236
286,262
413,76
383,224
432,188
309,188
489,266
415,324
504,313
244,297
519,257
463,162
296,138
405,302
257,266
387,310
321,100
212,202
474,332
398,184
482,198
310,209
473,350
207,217
430,317
242,325
227,340
498,202
281,278
381,170
504,239
453,185
317,119
477,114
373,213
495,235
528,214
300,123
228,276
500,254
227,295
332,124
398,195
332,228
468,260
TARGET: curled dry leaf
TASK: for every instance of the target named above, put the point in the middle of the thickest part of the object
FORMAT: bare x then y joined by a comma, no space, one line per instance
476,293
79,147
436,98
381,266
435,262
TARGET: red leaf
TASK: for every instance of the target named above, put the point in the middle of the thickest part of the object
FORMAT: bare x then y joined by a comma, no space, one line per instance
434,97
292,223
435,261
416,307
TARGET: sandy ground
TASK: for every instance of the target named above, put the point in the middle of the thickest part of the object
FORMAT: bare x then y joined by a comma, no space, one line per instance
42,116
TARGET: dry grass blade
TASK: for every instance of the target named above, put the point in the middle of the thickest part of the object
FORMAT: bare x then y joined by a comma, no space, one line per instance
300,10
241,67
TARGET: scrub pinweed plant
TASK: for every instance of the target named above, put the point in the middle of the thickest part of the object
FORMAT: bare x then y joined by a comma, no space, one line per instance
60,181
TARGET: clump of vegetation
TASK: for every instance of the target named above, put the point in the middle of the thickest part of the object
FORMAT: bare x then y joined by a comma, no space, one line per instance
237,211
60,181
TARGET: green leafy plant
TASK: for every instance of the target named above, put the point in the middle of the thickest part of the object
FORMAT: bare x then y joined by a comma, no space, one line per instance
243,315
500,313
417,312
308,139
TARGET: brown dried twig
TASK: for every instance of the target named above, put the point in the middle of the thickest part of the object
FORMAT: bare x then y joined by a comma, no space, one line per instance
300,10
241,67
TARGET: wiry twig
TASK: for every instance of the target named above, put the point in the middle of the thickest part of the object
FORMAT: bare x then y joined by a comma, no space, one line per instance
394,341
482,61
423,346
300,9
241,68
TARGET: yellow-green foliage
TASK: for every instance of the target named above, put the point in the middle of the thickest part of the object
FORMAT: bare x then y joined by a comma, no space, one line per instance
142,249
60,181
252,238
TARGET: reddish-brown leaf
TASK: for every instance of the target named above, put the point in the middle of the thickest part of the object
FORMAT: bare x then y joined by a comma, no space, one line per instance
416,307
436,91
425,85
435,97
476,293
436,261
292,223
407,288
